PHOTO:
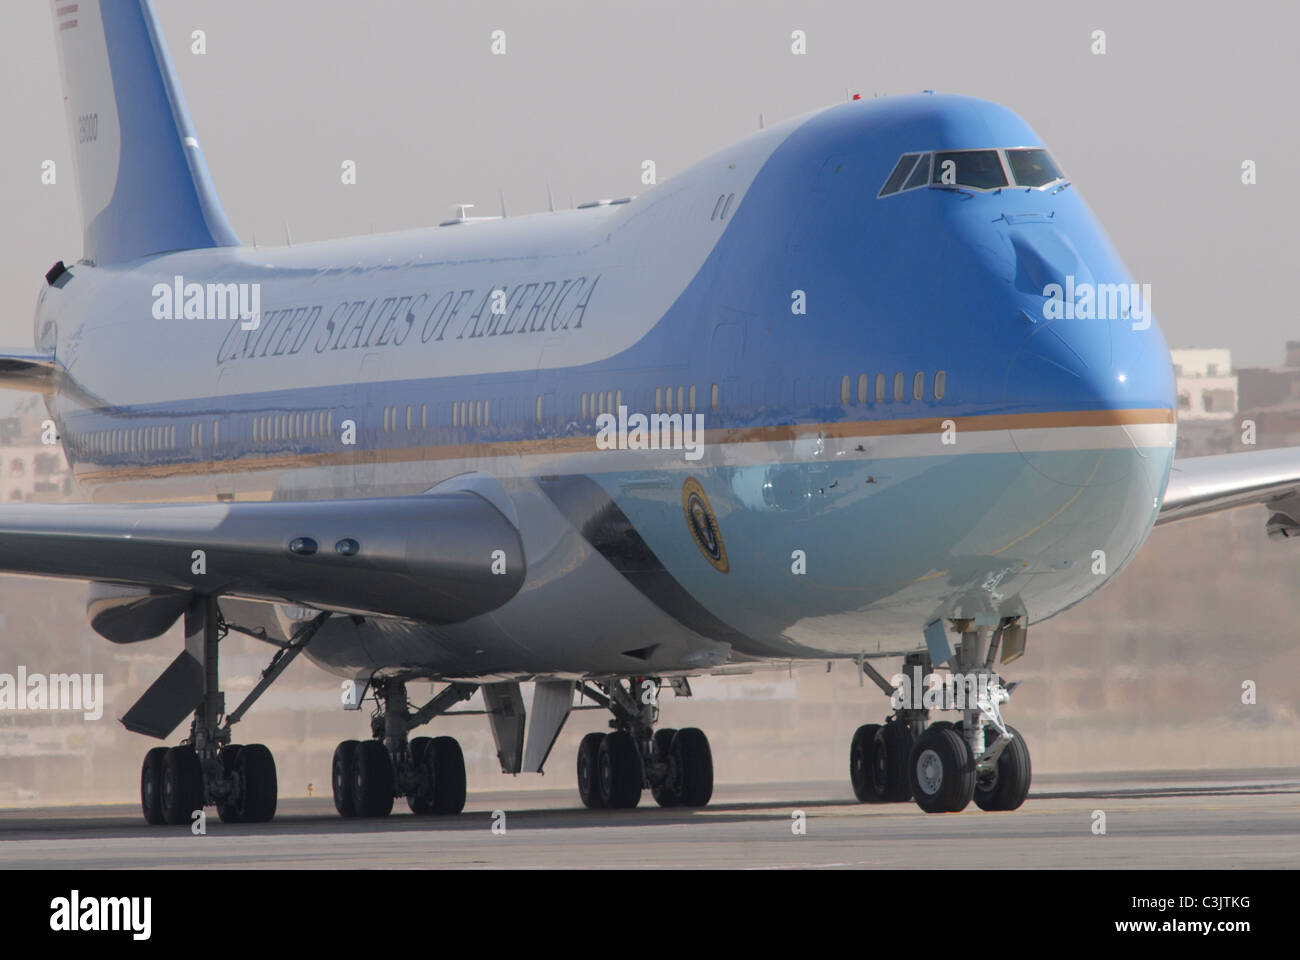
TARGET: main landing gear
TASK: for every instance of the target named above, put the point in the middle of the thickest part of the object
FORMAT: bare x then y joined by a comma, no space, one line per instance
944,766
613,768
368,775
207,769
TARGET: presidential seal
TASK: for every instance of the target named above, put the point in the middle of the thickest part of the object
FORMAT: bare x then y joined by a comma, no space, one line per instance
703,524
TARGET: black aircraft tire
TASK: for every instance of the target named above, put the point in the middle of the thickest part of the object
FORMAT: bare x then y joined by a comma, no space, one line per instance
588,777
618,765
421,802
1010,786
229,812
448,776
862,760
182,785
341,778
665,794
151,786
261,788
695,759
941,771
895,742
372,780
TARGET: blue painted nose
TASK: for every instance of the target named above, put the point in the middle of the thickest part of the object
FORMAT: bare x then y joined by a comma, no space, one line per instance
1093,370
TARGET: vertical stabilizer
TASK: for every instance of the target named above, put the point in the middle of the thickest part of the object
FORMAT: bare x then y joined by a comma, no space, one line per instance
143,183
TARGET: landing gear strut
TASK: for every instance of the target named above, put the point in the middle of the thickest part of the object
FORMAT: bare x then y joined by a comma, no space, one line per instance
428,771
613,768
207,769
942,765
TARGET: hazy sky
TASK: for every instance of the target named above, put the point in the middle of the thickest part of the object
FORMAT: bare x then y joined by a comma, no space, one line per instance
1153,133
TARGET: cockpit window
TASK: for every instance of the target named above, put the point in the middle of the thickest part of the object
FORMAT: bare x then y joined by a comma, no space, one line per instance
973,170
981,169
895,181
1032,167
921,175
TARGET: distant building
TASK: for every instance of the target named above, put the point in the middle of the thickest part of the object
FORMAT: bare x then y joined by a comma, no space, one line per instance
1270,397
33,471
1207,389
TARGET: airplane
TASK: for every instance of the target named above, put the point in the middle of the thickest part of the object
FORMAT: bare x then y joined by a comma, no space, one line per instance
816,397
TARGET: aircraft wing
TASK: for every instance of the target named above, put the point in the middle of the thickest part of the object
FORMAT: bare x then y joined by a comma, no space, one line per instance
432,558
1202,485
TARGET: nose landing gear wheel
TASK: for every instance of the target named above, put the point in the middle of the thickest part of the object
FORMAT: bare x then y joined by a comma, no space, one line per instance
942,771
1009,785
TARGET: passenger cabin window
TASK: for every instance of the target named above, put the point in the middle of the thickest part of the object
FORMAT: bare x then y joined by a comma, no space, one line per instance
918,386
940,382
898,387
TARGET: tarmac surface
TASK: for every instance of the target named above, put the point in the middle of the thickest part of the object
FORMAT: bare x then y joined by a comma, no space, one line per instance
1216,820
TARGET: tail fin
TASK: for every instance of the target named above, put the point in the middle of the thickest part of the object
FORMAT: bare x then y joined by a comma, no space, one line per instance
143,183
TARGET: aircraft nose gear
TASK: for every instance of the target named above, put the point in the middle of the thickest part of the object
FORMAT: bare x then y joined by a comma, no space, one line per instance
429,772
942,765
613,768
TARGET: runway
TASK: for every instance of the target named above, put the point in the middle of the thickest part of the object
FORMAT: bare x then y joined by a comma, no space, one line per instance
1190,820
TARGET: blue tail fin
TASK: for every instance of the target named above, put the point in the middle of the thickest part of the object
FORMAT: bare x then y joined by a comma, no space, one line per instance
143,183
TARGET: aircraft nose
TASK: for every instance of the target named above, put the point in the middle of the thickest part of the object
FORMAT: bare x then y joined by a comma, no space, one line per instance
1095,384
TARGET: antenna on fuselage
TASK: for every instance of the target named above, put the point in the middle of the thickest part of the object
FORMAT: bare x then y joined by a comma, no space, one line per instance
288,237
550,200
502,195
761,122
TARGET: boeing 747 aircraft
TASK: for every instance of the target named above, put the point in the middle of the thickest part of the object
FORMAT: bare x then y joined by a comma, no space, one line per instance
871,383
